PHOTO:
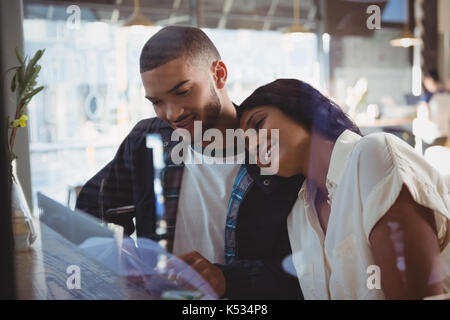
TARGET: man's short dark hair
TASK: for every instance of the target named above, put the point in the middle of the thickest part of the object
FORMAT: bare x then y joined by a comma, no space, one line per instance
173,42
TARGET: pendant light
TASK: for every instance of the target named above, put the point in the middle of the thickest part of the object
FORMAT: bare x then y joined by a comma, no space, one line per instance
406,39
137,19
296,26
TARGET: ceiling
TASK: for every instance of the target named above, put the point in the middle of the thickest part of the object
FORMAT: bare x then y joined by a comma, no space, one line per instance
230,14
339,16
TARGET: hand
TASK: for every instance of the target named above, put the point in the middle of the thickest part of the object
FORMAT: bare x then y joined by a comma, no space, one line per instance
198,273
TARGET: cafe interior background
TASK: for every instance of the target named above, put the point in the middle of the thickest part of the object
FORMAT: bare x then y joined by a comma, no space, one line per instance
93,93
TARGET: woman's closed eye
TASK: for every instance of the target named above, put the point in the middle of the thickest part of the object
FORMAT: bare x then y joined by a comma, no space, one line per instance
259,122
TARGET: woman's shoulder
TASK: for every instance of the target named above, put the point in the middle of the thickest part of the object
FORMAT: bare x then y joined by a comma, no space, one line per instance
377,141
374,148
380,154
384,147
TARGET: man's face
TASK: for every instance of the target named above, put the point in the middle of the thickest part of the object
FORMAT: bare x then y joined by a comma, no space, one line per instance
182,93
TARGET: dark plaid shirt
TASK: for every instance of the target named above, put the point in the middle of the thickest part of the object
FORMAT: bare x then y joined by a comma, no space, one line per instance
256,239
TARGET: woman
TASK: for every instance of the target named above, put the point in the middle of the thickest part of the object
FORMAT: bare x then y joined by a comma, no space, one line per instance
372,217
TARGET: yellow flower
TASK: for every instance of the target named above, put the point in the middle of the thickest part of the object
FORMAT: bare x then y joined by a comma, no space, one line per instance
22,121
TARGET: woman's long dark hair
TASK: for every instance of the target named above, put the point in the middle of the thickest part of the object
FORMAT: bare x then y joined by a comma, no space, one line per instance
307,105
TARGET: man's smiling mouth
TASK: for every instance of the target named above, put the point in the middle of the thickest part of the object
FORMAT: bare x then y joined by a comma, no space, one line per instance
185,123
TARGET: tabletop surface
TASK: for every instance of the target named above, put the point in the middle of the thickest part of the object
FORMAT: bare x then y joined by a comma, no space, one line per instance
41,272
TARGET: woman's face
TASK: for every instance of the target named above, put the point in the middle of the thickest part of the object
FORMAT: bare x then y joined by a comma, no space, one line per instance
293,143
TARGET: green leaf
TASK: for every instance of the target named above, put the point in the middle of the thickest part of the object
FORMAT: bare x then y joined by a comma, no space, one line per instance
20,76
29,95
13,83
30,78
34,75
33,61
19,56
37,56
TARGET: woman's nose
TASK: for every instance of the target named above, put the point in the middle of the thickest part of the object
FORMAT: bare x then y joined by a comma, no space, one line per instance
252,144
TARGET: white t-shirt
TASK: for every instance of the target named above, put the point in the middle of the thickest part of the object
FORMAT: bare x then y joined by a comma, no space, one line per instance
364,179
202,207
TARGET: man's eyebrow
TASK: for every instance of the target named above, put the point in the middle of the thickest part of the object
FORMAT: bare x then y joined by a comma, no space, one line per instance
179,84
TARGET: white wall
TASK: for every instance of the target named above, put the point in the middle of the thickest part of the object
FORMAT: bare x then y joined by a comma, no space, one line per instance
387,69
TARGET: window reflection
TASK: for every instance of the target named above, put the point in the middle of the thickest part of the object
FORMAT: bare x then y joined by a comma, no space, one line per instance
93,93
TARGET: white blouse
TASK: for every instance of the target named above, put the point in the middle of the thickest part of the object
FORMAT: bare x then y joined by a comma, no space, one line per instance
364,179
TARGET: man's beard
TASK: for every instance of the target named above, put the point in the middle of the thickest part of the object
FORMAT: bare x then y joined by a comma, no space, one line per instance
212,111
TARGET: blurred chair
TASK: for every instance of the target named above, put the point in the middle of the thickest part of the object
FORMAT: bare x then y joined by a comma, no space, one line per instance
439,158
432,125
116,216
440,113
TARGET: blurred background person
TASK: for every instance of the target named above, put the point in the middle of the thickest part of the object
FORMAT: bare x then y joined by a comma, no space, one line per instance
431,83
431,127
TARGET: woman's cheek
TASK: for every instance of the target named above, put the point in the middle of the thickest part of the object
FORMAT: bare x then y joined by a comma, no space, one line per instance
282,158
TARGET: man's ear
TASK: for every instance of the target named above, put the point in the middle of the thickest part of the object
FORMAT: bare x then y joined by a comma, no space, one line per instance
220,73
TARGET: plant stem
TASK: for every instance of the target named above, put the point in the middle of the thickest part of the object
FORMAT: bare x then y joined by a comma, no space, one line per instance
12,138
14,130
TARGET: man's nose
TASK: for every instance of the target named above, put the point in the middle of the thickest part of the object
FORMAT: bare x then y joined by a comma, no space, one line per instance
174,112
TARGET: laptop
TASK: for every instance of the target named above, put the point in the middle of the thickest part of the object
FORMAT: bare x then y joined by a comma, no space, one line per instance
122,255
74,225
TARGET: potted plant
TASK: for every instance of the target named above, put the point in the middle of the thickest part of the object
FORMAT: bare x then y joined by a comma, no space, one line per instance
23,85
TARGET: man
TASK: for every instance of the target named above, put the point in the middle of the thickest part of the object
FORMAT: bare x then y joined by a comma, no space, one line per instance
225,220
433,116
